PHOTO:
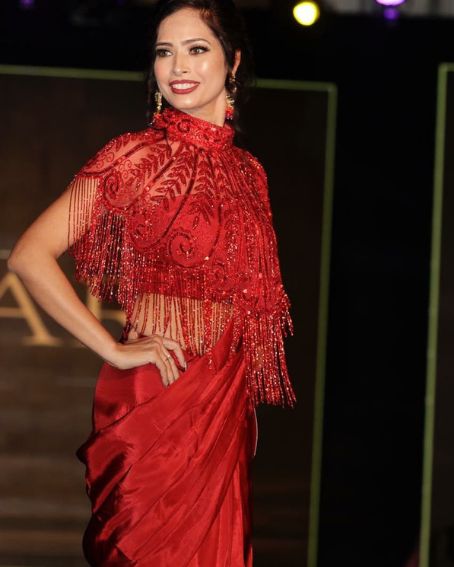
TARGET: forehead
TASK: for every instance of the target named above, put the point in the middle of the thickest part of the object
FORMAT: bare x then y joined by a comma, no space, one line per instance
183,24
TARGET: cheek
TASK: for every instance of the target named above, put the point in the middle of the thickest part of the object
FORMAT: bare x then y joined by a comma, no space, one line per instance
212,72
160,70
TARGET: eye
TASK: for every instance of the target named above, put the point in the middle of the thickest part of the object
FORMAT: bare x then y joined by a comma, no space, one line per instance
159,51
202,47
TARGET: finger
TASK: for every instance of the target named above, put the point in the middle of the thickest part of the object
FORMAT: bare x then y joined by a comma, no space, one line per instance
165,358
159,356
131,340
162,367
176,347
173,370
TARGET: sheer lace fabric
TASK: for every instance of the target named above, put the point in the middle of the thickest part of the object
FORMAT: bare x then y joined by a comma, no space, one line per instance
174,223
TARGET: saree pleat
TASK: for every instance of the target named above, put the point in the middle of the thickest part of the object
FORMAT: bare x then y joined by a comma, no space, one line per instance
168,468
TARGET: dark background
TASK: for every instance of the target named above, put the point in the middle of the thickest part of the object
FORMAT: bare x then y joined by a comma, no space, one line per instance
386,77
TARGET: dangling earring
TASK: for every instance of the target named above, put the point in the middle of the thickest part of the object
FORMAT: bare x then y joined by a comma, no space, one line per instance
158,101
230,97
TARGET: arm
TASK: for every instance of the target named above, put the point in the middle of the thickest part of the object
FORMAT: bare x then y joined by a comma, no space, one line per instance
34,260
34,257
264,334
260,178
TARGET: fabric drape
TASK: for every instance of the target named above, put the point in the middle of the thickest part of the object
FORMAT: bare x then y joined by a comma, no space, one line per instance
174,224
168,468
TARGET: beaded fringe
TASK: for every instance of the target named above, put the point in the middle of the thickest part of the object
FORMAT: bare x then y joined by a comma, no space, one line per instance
113,270
267,376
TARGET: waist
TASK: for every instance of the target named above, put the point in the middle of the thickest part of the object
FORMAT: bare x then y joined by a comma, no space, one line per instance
195,324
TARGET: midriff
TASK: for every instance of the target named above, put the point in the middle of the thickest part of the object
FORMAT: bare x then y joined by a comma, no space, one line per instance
168,315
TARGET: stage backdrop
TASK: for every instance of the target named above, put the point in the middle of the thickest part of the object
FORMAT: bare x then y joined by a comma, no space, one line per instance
53,120
437,529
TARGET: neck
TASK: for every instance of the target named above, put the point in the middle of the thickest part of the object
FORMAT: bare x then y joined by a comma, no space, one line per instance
217,118
194,129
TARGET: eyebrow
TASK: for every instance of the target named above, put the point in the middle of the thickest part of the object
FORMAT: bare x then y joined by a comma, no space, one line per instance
183,42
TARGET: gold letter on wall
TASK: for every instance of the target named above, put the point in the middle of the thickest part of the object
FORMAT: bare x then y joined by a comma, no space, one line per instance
25,310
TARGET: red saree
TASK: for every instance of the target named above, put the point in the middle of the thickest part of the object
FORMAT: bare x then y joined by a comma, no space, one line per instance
168,468
174,223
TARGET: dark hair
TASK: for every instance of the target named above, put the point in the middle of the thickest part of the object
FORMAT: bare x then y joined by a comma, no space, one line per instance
228,25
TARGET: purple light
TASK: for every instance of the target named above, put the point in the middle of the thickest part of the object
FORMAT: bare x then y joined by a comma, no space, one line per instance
391,14
27,4
390,2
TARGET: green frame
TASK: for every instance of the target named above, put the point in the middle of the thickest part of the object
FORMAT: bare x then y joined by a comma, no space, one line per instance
434,299
317,441
319,388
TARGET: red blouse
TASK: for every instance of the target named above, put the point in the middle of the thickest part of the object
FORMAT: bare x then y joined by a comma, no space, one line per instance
174,223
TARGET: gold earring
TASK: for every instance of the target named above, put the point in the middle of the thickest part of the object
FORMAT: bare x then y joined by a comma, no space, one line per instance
158,101
230,98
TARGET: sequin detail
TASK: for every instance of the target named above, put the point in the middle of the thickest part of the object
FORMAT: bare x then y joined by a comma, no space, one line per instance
180,125
174,223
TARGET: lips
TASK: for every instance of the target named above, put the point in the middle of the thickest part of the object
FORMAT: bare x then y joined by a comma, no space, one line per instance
183,87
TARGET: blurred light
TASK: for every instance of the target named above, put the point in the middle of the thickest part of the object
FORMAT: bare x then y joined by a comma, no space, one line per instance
391,14
390,2
27,4
306,13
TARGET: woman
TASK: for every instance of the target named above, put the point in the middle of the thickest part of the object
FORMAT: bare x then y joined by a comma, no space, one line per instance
174,223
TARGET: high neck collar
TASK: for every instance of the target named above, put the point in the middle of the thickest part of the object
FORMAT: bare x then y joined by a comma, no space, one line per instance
183,126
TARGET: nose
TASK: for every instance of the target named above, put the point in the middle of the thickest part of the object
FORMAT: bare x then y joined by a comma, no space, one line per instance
179,63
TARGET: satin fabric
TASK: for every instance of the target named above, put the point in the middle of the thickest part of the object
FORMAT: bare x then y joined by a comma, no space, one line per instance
168,468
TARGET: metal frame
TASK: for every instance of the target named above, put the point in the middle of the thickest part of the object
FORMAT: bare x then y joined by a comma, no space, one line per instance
317,441
434,297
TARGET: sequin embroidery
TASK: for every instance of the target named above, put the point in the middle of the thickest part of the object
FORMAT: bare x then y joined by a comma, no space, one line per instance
174,223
